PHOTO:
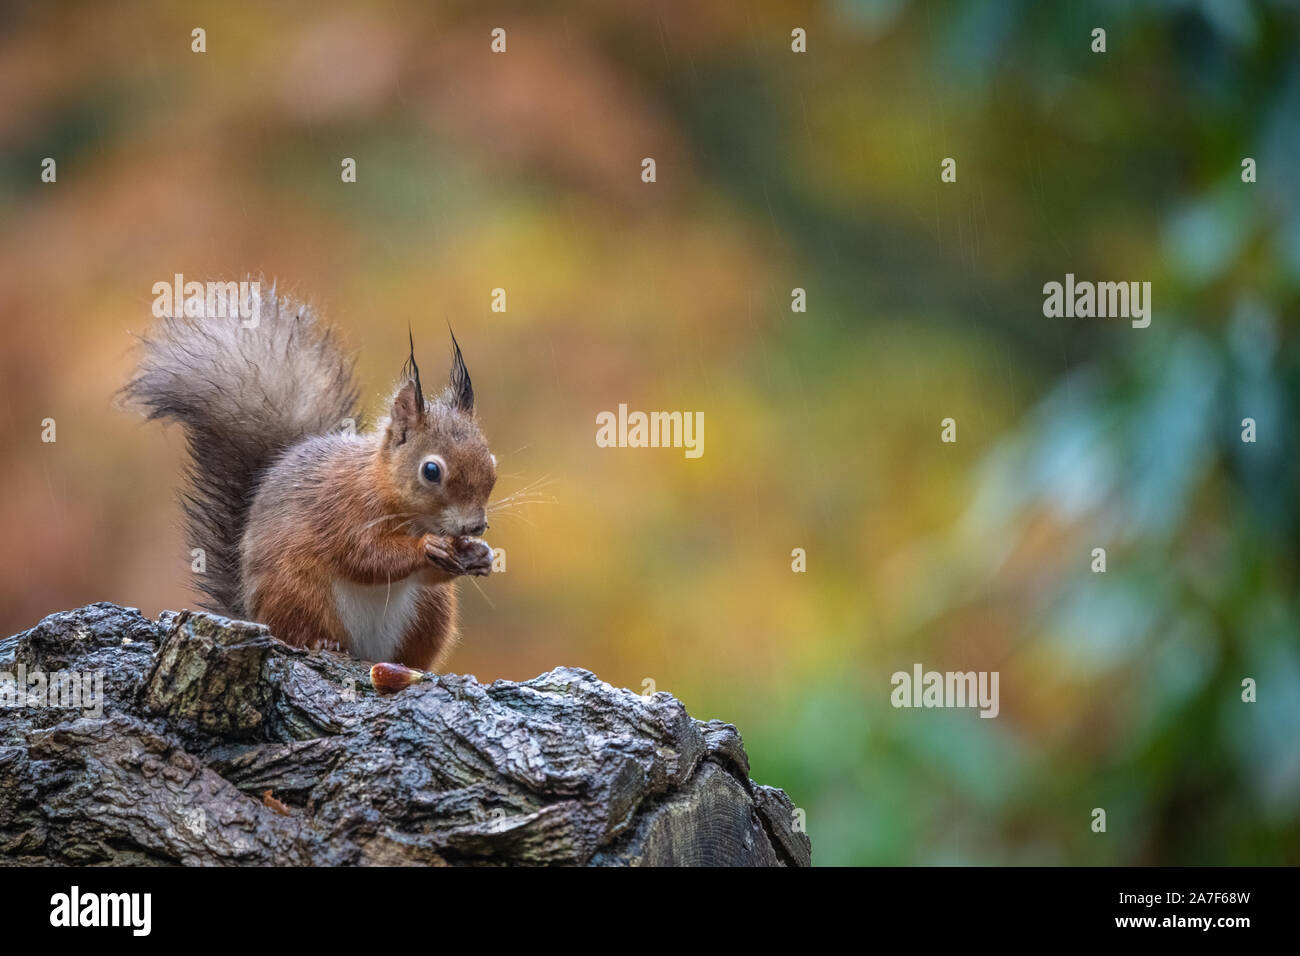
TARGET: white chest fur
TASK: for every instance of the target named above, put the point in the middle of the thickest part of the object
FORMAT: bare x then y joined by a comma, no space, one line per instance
376,616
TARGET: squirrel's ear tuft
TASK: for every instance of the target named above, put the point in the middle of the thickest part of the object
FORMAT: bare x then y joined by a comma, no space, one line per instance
462,389
408,401
411,372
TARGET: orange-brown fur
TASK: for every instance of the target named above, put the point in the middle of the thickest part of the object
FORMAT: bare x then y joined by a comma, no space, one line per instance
353,508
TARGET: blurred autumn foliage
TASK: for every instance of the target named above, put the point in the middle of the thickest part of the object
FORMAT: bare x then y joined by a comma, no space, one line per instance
775,170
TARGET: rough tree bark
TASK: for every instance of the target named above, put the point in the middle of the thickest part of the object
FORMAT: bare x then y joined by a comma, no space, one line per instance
218,744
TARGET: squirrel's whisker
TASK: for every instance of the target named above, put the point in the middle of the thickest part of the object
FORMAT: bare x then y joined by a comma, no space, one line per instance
508,514
508,506
536,488
409,516
484,593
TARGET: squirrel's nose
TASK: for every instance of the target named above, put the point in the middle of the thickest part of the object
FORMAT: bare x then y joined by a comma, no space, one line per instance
477,528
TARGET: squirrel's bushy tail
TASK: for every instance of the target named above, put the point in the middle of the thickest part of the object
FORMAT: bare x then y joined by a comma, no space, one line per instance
243,396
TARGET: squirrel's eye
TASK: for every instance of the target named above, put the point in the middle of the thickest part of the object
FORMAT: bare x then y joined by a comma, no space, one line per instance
431,472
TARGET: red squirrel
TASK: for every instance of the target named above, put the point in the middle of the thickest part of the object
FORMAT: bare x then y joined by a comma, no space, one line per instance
333,539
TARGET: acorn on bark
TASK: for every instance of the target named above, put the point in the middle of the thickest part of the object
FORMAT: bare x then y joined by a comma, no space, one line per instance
390,678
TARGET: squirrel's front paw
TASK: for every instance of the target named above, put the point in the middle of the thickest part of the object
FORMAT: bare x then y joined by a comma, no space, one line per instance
475,555
441,553
460,555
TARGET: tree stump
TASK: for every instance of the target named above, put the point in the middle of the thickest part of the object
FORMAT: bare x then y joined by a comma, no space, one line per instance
212,743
